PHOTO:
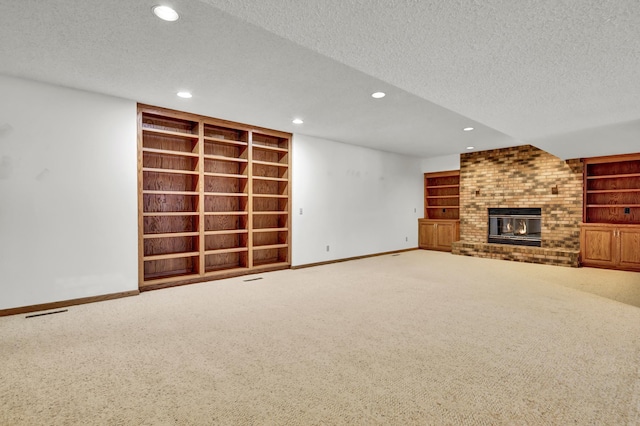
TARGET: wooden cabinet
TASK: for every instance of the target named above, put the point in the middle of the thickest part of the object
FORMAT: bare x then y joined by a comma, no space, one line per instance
440,226
610,246
437,234
610,236
214,198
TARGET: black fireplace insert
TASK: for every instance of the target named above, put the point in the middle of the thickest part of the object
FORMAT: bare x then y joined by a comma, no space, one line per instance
517,226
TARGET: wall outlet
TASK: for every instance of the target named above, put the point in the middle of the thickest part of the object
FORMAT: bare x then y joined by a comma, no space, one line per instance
406,238
300,210
327,248
415,210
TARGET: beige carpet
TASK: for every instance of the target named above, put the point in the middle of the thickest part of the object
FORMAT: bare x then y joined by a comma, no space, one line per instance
420,338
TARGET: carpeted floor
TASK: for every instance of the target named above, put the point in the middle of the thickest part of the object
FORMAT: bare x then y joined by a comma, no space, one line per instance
418,338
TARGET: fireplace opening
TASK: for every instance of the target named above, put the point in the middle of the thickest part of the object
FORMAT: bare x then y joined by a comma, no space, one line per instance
517,226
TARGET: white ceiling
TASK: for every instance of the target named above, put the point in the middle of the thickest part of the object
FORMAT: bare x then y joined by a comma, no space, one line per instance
563,75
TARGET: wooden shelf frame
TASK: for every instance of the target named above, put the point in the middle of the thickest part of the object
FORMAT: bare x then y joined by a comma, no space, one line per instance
612,190
441,188
205,167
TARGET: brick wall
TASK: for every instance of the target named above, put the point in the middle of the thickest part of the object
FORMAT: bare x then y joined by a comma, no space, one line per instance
522,176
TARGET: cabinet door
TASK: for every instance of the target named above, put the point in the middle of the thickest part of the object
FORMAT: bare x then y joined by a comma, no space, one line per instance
444,236
629,248
427,235
598,246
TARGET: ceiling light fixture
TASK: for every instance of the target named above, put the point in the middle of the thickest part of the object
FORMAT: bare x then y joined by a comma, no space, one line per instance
297,121
378,95
470,147
184,95
468,129
165,13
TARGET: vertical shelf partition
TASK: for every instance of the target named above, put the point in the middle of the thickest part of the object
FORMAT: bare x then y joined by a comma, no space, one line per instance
214,198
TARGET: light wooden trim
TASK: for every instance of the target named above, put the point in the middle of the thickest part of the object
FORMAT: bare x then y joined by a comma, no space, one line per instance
250,201
141,213
201,201
347,259
448,173
270,196
610,159
66,303
227,194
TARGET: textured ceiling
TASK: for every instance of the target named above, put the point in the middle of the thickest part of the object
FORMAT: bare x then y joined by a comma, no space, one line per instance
562,75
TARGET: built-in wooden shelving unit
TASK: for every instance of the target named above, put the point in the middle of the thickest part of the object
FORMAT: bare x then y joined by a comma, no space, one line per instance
442,195
214,198
610,234
441,225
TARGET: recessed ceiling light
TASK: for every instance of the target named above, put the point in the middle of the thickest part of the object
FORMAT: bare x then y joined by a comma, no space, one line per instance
468,129
185,95
166,13
297,121
471,147
378,95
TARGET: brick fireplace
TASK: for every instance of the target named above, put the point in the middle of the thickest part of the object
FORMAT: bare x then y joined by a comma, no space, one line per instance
521,177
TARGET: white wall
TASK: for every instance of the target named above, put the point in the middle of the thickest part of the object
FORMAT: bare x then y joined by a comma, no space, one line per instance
356,200
440,164
68,196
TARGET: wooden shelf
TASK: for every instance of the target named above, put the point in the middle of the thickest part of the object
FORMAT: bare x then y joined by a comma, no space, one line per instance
168,152
227,250
227,194
619,176
169,133
441,186
174,171
273,179
170,192
227,232
268,163
224,175
270,247
611,191
149,214
171,256
269,148
269,196
619,206
223,158
225,141
171,234
270,212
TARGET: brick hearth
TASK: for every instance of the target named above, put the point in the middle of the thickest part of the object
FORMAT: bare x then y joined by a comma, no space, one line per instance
523,176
